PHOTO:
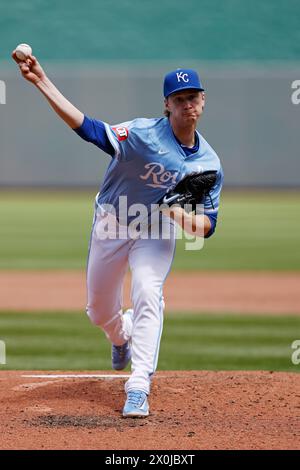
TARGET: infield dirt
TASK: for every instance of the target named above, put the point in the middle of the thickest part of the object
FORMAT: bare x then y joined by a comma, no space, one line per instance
233,292
189,410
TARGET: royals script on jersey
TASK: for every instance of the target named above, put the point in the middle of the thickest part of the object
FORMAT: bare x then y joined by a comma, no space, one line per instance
149,161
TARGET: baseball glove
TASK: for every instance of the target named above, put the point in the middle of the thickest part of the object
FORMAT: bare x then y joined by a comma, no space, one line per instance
192,190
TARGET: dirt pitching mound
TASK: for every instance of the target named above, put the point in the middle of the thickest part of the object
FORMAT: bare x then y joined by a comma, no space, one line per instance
189,410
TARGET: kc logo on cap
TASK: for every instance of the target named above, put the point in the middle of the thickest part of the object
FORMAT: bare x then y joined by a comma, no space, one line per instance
181,79
182,76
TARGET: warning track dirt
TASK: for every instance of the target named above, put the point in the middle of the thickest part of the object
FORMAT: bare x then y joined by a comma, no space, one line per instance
240,292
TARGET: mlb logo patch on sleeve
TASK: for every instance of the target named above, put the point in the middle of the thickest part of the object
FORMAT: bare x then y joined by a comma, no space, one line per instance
121,132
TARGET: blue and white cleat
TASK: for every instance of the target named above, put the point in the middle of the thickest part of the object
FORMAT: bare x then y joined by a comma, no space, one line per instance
121,355
136,405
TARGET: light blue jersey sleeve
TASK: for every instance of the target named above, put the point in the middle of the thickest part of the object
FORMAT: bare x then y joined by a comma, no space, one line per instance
212,202
119,136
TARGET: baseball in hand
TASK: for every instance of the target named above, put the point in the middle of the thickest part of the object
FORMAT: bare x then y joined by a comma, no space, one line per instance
23,51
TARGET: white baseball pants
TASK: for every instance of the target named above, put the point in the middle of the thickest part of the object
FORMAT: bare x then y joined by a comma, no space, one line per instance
149,261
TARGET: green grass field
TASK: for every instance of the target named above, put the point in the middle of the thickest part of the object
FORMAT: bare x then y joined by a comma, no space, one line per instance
50,230
67,341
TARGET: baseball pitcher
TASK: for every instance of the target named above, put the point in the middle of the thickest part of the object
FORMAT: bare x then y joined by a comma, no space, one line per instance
164,170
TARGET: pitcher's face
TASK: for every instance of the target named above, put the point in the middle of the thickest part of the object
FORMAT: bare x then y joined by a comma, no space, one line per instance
186,106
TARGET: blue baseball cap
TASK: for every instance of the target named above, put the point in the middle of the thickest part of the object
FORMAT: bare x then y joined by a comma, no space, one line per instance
181,79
